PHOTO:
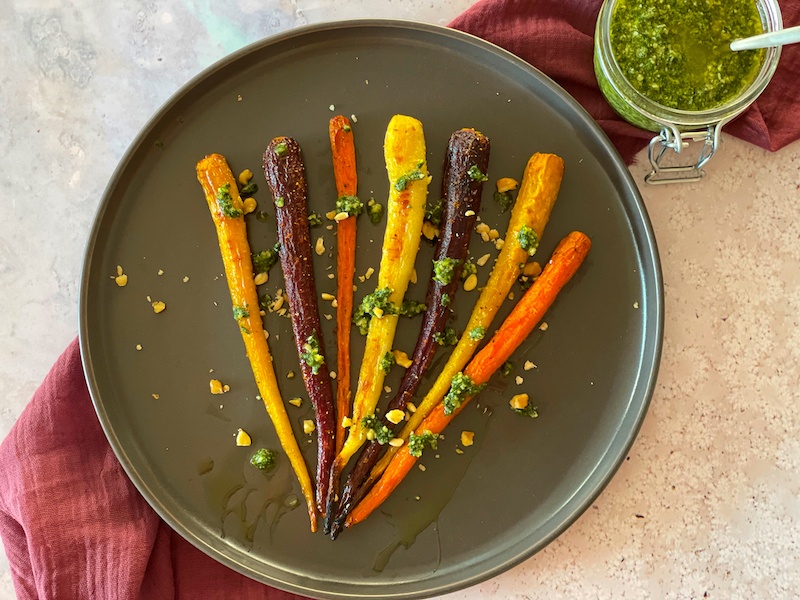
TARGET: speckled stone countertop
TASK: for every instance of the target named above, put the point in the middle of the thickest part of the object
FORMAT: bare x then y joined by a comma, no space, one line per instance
708,502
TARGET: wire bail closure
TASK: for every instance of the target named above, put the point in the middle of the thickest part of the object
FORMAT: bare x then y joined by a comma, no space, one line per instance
671,138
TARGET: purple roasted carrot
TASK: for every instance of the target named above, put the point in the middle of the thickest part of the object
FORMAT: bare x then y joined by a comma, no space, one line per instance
285,173
464,173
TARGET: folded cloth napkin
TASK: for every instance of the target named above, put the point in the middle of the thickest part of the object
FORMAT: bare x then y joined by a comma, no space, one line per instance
73,525
557,37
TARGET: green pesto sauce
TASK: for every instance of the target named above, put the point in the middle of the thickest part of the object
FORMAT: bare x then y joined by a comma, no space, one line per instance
529,411
225,202
314,220
311,354
411,308
675,52
461,388
470,268
448,337
264,459
240,312
279,201
504,199
417,443
528,240
446,299
387,362
263,261
382,433
350,205
403,181
374,211
249,189
477,333
366,310
476,174
443,270
434,213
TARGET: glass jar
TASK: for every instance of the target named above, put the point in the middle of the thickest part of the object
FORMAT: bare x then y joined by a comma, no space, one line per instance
677,127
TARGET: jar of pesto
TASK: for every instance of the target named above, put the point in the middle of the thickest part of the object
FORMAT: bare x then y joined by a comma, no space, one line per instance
665,66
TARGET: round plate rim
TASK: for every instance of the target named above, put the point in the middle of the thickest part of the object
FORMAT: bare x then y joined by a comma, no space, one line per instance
643,389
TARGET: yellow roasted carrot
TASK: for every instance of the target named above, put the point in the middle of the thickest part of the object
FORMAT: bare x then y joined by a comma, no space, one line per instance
225,204
406,166
538,192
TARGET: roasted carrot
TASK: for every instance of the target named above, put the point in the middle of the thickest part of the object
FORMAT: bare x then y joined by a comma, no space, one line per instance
541,182
225,204
344,170
285,173
565,261
406,166
466,163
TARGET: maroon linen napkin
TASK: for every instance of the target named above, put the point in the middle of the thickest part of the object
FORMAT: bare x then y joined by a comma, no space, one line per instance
72,523
556,37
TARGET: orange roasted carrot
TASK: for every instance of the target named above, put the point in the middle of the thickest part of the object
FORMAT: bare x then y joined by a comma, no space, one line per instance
565,261
344,171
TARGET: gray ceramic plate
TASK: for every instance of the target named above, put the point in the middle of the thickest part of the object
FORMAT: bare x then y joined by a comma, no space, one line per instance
468,517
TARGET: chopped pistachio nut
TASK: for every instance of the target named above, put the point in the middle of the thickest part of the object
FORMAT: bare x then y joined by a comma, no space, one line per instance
402,359
505,184
249,205
471,283
518,401
395,416
242,438
532,269
245,176
217,387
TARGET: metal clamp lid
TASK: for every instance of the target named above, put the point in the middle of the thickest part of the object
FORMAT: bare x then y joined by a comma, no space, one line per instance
672,138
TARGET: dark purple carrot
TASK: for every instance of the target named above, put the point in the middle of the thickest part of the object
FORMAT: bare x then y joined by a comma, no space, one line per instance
285,173
464,173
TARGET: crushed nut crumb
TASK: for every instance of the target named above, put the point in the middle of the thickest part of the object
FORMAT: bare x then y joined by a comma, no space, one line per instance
298,402
308,426
518,380
467,438
158,306
242,438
